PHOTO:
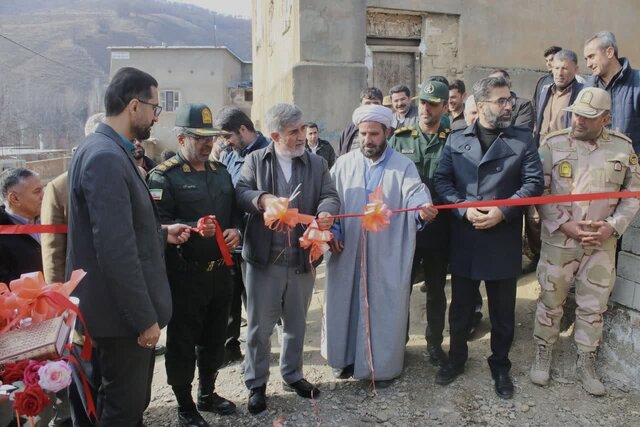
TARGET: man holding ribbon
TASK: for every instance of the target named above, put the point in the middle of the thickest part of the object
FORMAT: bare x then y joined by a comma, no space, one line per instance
188,187
579,239
278,276
487,161
368,275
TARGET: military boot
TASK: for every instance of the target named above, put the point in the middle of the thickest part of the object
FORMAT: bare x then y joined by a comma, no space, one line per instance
586,373
188,415
209,401
539,373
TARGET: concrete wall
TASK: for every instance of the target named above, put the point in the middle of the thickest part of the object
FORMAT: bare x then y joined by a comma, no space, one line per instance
202,75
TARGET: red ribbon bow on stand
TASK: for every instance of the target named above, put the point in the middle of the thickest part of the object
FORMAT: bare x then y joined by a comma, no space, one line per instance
316,240
224,250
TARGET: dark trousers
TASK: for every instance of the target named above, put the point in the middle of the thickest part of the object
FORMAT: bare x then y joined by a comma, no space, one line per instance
198,326
501,296
238,298
126,371
434,264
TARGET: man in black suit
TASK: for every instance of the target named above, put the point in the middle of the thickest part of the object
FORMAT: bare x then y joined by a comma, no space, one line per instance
116,237
487,161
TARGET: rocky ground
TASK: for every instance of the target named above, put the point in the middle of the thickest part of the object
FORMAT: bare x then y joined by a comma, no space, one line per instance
415,399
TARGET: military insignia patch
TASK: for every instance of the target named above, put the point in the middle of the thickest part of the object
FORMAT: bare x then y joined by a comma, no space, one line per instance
173,161
186,168
633,158
207,119
407,151
429,88
617,166
442,135
414,133
156,194
565,169
586,98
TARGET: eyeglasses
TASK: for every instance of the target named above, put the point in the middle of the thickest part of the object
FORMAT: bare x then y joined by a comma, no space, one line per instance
157,109
501,102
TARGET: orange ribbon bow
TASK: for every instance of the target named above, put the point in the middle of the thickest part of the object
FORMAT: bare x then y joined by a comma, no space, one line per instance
278,215
316,240
376,214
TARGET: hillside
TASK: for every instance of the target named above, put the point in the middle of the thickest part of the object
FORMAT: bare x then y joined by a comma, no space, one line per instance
49,99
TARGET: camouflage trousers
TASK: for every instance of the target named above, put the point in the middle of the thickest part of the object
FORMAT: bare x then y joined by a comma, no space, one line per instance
593,273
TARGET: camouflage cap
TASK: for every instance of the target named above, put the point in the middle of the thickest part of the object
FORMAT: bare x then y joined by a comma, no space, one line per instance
434,92
591,102
198,120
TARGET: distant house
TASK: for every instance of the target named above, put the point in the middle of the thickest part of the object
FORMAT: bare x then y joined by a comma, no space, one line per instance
188,74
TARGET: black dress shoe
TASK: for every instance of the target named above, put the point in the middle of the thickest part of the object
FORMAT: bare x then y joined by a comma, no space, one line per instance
343,373
257,400
303,388
504,385
437,357
191,418
214,403
447,373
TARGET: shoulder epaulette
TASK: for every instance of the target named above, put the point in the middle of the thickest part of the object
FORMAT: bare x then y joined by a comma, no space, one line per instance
404,129
556,133
167,165
619,134
214,164
444,133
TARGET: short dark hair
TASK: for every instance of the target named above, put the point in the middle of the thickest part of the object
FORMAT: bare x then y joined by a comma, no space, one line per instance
503,73
127,84
312,125
551,50
12,177
458,85
441,79
482,88
371,93
398,89
231,118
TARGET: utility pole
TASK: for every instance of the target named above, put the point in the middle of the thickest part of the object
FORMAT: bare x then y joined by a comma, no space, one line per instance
215,28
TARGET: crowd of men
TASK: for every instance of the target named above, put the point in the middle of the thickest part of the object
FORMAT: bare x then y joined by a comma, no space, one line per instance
183,244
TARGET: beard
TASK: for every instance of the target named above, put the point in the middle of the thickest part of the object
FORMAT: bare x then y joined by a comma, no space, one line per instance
373,152
138,153
499,120
290,153
142,132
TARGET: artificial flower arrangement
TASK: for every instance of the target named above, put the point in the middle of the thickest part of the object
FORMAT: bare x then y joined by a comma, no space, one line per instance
35,322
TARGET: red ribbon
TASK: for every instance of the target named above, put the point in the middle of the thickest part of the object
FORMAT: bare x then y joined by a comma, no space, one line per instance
34,229
224,250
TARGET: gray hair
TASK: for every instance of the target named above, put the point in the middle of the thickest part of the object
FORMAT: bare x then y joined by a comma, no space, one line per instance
12,177
180,130
92,123
606,39
482,88
282,115
566,55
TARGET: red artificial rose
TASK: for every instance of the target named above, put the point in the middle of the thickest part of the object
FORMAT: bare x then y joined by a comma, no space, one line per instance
12,372
31,401
31,376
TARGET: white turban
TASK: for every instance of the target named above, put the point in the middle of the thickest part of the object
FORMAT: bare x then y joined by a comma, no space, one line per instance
372,113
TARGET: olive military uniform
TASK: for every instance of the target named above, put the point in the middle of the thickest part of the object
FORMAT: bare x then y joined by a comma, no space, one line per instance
200,282
432,241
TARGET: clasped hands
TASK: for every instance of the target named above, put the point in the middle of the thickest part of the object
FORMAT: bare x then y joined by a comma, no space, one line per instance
588,233
231,235
484,218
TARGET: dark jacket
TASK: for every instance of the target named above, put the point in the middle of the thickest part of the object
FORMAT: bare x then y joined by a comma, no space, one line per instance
625,98
234,160
258,177
115,236
522,113
148,164
344,143
325,150
510,168
19,253
543,99
546,79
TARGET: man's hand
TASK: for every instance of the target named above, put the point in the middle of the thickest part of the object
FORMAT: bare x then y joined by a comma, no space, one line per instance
231,237
177,233
484,220
264,200
336,246
473,215
596,232
428,212
150,337
324,221
209,229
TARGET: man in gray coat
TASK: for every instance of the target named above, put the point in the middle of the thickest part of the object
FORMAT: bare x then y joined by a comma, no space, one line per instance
278,276
116,237
489,160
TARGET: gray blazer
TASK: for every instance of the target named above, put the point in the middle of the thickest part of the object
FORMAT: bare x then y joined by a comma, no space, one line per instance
258,177
116,237
510,168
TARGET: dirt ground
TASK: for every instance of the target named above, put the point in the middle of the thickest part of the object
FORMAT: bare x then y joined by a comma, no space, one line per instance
414,399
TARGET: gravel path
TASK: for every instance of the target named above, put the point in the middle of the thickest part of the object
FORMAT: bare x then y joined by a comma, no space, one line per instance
415,399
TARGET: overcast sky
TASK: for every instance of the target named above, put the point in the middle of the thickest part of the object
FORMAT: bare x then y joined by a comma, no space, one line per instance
228,7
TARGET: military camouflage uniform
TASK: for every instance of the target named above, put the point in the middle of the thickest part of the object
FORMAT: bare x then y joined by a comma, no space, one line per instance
573,166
